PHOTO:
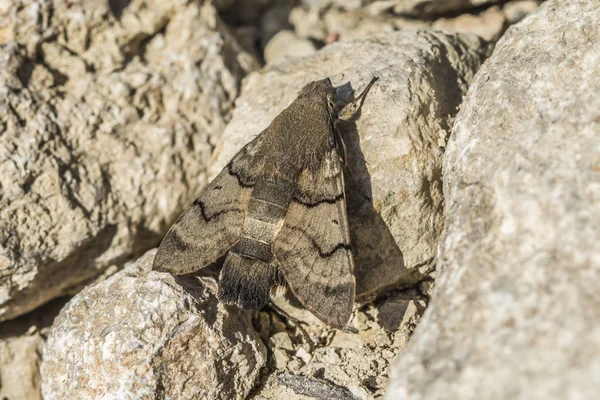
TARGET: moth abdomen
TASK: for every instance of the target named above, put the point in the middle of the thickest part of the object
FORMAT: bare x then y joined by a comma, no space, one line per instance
255,249
247,282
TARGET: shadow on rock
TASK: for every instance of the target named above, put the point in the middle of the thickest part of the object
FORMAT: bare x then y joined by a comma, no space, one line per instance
375,250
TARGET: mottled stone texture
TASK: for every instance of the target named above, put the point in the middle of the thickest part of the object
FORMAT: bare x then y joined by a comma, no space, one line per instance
394,146
351,364
516,310
107,120
145,335
433,7
330,20
21,346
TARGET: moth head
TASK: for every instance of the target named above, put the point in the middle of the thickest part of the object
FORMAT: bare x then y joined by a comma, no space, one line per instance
321,92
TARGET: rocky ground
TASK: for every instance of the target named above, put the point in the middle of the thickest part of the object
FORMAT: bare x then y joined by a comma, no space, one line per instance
473,186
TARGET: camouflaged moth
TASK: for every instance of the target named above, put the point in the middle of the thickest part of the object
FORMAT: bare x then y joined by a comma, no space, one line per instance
278,213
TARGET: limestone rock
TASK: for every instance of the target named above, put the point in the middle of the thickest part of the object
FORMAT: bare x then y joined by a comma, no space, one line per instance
516,312
395,146
488,24
21,344
515,11
20,358
351,364
145,335
337,22
286,44
107,119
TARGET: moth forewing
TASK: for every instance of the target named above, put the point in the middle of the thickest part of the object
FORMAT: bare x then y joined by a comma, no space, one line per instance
313,247
212,224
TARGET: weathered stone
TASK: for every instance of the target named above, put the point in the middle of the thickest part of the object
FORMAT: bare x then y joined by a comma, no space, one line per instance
336,21
107,127
20,358
488,24
352,363
516,311
395,146
434,7
145,335
286,44
515,11
21,344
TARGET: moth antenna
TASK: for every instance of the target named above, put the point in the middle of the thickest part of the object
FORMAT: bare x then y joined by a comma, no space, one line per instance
351,108
366,90
285,316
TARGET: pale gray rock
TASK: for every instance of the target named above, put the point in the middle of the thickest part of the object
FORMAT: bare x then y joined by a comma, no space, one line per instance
351,364
516,311
333,24
515,11
395,146
20,359
488,24
286,44
336,22
107,127
21,345
145,335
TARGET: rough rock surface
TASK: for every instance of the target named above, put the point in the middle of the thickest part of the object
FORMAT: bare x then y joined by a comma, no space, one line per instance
395,146
20,359
516,311
107,121
488,24
21,344
325,22
286,44
143,334
351,364
255,22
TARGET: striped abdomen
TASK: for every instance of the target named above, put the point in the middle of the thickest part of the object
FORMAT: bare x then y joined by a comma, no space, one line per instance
248,274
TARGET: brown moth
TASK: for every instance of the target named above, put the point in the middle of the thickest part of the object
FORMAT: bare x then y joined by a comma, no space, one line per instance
278,210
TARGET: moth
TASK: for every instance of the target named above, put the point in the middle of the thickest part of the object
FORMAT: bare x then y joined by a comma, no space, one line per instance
277,212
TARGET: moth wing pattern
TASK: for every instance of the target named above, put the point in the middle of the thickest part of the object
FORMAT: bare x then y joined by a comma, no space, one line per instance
213,223
313,247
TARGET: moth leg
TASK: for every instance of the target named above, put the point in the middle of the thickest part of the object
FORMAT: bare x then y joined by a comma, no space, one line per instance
351,108
349,329
285,316
339,140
